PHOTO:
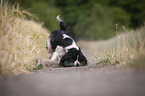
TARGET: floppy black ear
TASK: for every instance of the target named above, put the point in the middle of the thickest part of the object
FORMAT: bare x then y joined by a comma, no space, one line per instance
79,49
82,59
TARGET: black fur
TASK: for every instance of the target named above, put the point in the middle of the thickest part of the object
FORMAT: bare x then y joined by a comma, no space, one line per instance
72,53
71,57
56,38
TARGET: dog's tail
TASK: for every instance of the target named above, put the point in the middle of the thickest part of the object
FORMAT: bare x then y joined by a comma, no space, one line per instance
61,23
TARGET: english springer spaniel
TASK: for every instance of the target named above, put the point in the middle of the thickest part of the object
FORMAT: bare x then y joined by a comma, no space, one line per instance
63,48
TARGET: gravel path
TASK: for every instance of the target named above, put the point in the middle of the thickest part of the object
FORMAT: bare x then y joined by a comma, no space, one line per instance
89,80
101,82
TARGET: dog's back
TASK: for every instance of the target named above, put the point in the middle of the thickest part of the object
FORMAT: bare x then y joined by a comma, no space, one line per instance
61,38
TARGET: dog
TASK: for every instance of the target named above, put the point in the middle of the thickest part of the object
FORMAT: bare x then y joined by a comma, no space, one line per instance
63,48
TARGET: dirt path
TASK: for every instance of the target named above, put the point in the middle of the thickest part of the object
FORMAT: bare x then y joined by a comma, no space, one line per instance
101,82
89,80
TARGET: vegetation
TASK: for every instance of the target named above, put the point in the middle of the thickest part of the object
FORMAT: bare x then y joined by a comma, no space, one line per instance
21,40
95,19
128,50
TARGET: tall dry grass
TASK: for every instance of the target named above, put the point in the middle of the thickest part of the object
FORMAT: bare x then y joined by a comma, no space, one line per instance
21,40
128,50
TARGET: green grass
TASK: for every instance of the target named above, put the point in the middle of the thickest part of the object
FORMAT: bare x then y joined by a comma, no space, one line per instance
39,67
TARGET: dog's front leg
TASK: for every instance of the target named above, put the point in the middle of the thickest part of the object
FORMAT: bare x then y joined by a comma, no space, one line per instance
54,56
59,52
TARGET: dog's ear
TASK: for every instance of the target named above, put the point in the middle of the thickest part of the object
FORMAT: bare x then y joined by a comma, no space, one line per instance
80,52
82,59
79,49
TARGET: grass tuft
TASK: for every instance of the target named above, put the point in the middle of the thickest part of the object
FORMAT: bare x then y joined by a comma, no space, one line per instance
21,40
128,50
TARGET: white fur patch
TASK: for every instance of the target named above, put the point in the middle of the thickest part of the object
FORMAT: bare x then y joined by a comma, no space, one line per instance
59,52
73,45
48,44
77,62
66,36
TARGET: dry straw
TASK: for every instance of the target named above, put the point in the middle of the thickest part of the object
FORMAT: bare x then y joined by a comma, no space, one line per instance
21,40
128,47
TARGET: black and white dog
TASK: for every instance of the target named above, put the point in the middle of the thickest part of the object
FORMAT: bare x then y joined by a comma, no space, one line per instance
62,47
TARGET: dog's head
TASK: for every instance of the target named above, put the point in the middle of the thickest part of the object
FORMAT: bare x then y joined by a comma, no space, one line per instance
70,58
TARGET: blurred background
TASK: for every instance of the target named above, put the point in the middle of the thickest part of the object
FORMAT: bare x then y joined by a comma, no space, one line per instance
95,19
